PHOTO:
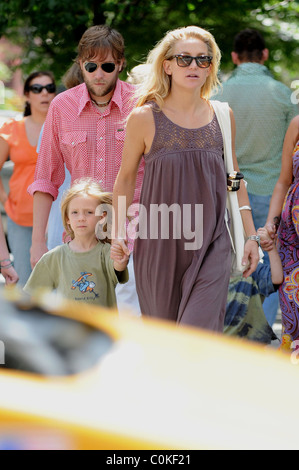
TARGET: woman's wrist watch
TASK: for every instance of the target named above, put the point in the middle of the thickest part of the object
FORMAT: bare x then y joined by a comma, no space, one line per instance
256,238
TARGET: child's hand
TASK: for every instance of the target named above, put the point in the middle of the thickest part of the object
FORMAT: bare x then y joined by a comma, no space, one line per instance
267,242
120,254
271,229
9,275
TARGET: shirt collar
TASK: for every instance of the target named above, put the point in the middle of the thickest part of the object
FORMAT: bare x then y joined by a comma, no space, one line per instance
85,97
249,68
117,96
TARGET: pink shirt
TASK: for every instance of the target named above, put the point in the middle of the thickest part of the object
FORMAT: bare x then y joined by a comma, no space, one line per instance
87,141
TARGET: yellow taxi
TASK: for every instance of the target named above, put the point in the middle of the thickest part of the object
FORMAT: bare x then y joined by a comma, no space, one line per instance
77,377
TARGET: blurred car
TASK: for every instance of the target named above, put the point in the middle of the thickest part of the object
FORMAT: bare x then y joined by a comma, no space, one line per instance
78,377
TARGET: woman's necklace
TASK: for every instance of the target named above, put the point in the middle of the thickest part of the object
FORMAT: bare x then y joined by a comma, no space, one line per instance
101,105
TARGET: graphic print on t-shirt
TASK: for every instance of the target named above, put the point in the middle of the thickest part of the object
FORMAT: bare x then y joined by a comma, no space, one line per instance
84,285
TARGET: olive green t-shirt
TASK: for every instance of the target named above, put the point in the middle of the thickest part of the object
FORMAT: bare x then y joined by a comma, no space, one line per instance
86,277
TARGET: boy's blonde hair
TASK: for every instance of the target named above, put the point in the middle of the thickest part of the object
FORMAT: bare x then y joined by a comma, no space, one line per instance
86,187
158,84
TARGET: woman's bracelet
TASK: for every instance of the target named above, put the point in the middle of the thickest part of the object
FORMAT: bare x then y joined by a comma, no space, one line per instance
6,266
243,208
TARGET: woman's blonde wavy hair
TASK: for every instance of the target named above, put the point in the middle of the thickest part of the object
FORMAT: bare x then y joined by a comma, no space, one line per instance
157,84
86,187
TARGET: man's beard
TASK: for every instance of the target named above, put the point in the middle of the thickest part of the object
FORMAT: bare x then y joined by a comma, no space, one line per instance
96,93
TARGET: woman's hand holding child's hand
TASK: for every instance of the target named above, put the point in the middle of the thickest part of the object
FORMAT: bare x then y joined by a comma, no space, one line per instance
266,238
119,254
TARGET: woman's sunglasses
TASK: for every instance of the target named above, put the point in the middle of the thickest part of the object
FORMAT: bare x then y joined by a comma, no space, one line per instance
203,61
107,67
36,88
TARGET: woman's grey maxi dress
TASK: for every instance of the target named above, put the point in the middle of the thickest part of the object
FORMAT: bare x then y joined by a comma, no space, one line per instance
184,173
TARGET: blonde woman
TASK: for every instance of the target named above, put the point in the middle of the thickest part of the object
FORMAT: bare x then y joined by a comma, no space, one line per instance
182,248
82,269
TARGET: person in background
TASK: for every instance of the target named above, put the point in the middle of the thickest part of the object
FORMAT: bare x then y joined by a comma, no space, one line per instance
244,310
263,110
182,144
6,265
18,141
283,222
82,269
85,131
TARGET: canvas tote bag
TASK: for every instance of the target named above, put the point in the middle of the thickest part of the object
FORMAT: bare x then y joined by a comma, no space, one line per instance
235,229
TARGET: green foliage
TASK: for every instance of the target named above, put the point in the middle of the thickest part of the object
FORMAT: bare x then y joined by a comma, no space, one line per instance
49,30
5,73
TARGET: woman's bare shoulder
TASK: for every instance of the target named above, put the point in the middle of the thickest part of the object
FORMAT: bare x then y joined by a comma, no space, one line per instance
142,112
141,117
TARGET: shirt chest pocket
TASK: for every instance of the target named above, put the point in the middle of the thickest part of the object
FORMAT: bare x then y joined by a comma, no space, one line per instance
74,145
120,135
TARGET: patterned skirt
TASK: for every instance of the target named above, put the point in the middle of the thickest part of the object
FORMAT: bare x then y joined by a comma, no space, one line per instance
288,237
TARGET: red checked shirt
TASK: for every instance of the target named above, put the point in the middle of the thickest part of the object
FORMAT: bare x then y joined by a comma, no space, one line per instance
87,141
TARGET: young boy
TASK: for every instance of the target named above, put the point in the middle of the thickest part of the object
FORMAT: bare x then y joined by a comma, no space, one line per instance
82,269
244,311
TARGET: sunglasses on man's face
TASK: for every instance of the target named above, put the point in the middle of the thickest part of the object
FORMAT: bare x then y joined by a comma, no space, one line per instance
36,88
107,67
202,61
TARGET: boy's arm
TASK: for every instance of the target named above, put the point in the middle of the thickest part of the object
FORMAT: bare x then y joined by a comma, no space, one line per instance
276,266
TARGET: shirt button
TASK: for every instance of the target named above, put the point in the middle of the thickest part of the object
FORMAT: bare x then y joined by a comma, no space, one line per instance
73,143
101,138
101,159
100,181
